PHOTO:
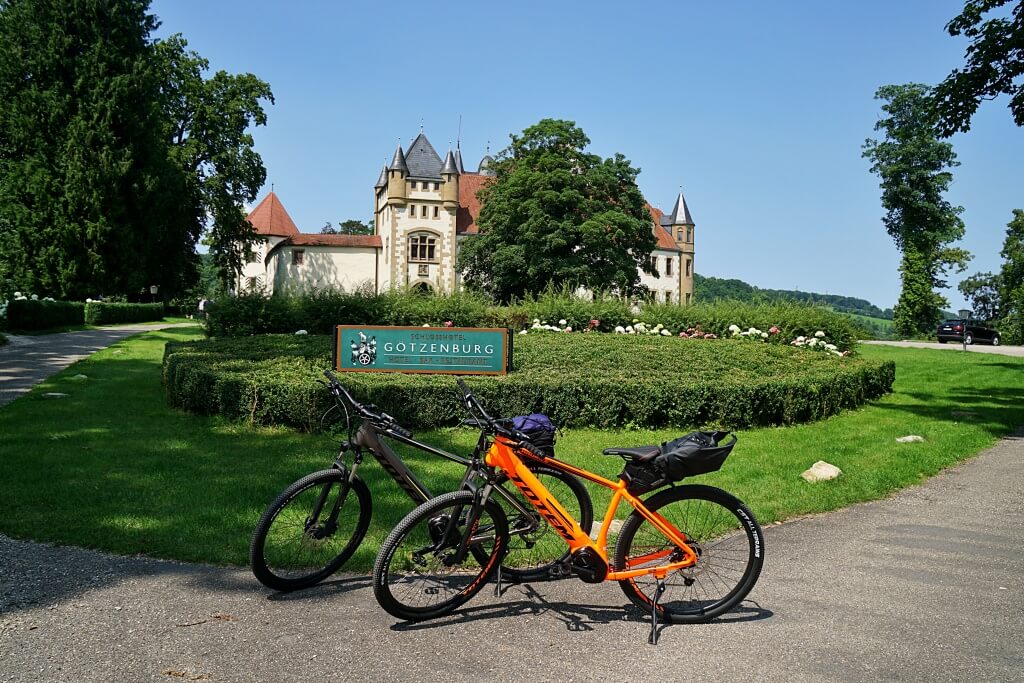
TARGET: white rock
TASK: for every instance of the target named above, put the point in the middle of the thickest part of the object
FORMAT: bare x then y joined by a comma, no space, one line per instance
912,438
80,377
54,394
821,471
305,332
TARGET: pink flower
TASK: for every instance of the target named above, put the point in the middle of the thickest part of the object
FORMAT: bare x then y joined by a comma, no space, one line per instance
568,329
594,322
447,323
773,330
710,336
684,335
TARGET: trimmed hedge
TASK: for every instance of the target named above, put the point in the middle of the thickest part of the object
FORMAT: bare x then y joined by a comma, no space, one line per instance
28,314
319,311
103,313
578,380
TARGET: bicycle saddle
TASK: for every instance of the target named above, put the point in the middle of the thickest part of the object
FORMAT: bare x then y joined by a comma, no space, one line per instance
637,454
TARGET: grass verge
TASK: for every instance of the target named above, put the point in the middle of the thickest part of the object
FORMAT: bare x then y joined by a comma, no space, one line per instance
111,467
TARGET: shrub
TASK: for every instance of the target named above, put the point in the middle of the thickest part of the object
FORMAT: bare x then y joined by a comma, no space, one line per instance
578,380
30,314
104,313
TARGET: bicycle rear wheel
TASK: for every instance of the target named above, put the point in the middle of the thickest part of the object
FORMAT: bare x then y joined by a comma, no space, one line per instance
720,529
310,530
535,550
417,576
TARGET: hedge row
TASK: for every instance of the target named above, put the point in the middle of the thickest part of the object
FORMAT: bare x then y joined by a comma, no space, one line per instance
29,314
578,380
318,312
102,313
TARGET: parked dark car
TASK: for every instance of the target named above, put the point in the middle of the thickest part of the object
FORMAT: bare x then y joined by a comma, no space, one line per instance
977,331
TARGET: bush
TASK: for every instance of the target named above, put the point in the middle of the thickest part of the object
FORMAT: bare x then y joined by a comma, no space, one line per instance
318,312
103,313
578,380
29,314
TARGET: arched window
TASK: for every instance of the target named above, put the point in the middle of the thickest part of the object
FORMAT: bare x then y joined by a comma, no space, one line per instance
423,248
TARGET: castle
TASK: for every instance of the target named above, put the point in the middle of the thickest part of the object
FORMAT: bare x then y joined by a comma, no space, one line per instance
423,207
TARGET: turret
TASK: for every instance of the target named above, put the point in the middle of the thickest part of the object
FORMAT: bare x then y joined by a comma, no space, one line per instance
486,165
397,172
682,223
450,176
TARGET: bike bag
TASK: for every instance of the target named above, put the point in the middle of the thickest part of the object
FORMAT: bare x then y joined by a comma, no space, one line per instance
540,431
689,455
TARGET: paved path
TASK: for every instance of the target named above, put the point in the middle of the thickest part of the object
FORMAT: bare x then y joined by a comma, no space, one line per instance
925,585
27,361
951,346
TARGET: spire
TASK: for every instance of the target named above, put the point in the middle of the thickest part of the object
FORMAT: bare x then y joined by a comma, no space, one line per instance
383,179
458,159
398,162
681,212
450,165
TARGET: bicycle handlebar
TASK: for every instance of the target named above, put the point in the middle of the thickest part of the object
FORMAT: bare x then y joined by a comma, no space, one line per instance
493,425
382,419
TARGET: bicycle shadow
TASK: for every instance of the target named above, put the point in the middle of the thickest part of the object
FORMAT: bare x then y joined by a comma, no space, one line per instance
577,617
325,589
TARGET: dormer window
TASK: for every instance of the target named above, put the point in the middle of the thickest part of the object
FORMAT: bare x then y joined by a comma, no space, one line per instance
423,247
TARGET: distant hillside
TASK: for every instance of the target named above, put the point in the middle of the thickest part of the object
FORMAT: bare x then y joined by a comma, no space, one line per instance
711,288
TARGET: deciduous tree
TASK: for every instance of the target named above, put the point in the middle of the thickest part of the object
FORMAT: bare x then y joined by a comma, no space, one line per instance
993,66
1011,279
913,166
982,292
557,215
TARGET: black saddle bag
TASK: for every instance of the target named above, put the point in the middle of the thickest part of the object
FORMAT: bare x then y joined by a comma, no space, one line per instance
689,455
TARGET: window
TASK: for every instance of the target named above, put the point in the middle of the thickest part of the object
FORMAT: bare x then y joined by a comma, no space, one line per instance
687,267
687,298
436,214
412,211
654,263
297,257
668,266
423,211
254,256
415,184
689,234
252,284
437,186
423,247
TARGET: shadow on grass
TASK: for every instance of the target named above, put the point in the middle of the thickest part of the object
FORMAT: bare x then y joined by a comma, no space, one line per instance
998,410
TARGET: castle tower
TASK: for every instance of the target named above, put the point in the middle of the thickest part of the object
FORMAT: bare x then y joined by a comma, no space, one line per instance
397,172
682,233
450,188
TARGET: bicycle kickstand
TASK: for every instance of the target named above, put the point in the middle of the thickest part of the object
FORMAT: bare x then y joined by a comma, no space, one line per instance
653,640
497,583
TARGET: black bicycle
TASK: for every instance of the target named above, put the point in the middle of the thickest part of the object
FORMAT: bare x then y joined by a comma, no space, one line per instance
315,525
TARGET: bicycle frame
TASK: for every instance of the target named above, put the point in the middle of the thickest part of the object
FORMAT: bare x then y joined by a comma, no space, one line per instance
503,455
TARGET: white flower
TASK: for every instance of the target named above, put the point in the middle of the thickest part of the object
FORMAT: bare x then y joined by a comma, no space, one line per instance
424,325
301,332
752,330
17,294
819,334
562,322
666,333
764,335
523,332
830,347
812,342
35,297
568,329
21,298
801,339
734,328
536,325
619,329
536,321
630,330
49,298
658,326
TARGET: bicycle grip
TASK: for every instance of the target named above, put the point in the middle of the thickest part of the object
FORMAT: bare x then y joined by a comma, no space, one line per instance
401,431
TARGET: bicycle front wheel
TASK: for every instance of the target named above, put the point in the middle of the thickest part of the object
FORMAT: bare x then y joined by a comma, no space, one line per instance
536,551
310,530
719,528
418,574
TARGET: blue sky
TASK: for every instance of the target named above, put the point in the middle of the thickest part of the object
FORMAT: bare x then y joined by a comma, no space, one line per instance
758,110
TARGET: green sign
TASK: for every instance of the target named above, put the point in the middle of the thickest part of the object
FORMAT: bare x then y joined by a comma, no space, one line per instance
449,350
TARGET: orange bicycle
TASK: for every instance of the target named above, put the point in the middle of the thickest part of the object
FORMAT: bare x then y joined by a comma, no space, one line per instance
687,553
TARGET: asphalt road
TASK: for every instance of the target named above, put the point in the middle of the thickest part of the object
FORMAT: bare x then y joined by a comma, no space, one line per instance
925,585
952,346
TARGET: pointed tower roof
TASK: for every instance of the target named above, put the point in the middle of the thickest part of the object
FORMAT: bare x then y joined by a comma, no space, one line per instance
485,165
449,164
398,162
270,218
458,160
681,212
423,161
383,179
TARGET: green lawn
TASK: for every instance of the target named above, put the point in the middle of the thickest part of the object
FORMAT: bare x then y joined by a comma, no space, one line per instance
111,467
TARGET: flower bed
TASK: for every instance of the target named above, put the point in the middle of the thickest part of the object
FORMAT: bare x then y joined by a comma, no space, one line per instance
576,379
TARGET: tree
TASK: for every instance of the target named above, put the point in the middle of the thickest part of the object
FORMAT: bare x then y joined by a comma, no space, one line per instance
328,229
994,65
89,201
913,167
1011,279
207,124
556,215
354,227
982,291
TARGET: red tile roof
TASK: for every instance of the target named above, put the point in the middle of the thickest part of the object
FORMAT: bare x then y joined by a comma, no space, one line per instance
270,218
469,205
310,240
662,235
